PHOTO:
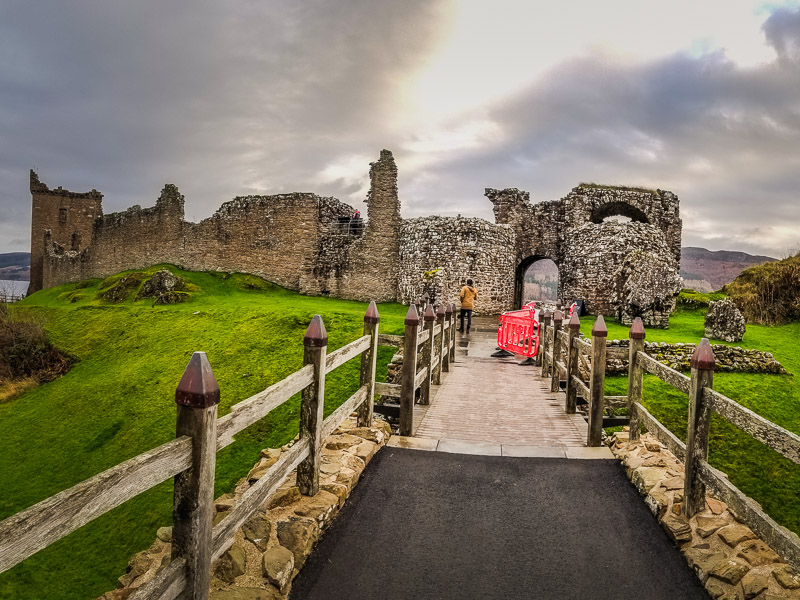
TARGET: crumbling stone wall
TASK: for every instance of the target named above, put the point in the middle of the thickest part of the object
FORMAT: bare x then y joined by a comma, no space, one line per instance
305,242
67,216
571,233
596,252
462,248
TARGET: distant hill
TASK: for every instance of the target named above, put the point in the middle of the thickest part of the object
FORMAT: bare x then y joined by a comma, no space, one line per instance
707,271
15,266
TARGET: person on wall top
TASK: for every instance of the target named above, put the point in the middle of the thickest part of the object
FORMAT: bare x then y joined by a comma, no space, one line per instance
467,296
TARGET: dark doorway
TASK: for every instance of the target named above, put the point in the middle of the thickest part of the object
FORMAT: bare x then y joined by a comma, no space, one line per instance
537,279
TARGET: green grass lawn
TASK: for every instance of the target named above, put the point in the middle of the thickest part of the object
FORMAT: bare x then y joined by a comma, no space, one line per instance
758,471
118,401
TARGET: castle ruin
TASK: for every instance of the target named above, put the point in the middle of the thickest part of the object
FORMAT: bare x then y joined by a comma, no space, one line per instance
307,243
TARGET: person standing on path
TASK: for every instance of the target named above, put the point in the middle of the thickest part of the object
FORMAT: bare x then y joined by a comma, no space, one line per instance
467,296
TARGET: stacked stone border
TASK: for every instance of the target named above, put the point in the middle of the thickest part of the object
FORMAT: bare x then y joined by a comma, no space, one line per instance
730,560
273,545
729,359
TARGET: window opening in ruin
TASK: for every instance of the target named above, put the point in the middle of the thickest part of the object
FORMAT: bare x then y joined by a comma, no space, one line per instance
76,241
618,211
62,215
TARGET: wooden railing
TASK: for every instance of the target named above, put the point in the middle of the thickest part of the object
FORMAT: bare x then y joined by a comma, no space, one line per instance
191,460
699,474
429,348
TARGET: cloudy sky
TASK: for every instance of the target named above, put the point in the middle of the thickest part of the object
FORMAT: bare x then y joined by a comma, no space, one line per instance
701,97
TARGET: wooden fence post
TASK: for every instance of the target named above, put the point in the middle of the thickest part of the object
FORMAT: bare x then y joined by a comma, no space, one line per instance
409,372
448,339
574,327
197,397
598,382
368,364
453,333
545,341
694,490
635,374
427,355
555,375
312,404
439,345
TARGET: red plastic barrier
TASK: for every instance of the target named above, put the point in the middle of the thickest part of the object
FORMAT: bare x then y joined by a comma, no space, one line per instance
519,331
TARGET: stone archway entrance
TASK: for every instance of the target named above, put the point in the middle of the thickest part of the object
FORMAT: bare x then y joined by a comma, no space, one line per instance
537,278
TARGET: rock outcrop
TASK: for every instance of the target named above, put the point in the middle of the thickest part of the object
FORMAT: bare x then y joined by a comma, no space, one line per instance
724,321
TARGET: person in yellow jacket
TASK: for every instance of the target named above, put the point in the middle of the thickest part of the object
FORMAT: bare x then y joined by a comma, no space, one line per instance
467,295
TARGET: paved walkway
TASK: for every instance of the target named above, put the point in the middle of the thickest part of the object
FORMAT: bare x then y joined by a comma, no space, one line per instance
461,527
495,406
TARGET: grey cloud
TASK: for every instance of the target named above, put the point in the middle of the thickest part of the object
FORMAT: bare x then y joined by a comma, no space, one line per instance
230,98
219,98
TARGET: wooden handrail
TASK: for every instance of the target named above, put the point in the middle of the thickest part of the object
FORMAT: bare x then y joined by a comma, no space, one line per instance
256,407
338,357
44,523
666,374
776,437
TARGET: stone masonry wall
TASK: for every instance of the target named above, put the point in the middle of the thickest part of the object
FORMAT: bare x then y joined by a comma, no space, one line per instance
304,242
568,230
730,359
597,251
462,248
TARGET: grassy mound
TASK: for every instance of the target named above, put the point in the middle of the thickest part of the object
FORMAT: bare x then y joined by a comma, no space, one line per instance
768,294
692,299
758,471
118,401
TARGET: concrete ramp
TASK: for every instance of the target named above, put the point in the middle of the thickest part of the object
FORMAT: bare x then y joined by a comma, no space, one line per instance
457,527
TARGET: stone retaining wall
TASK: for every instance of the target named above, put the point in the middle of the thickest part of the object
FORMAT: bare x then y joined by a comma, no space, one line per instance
730,560
730,359
271,548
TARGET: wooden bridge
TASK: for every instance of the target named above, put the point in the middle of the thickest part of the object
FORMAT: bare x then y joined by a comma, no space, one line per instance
457,400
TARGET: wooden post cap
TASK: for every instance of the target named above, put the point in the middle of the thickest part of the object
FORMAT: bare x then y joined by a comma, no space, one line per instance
412,316
198,387
440,312
558,317
574,321
449,310
429,314
599,329
637,329
372,315
703,356
316,335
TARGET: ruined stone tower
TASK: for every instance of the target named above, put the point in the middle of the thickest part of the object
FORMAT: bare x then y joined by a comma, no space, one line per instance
61,217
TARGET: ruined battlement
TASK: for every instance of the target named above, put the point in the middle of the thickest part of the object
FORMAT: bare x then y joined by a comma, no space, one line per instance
308,243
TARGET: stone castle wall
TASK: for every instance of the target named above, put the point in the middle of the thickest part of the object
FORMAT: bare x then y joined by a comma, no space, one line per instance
461,248
307,243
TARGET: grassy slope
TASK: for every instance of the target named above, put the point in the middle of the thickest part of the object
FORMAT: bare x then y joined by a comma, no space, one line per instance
758,471
118,401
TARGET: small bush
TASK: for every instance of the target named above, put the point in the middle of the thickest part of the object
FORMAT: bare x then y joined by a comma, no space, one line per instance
26,352
768,294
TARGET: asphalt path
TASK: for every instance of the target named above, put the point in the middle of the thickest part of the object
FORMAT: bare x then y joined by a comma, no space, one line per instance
455,526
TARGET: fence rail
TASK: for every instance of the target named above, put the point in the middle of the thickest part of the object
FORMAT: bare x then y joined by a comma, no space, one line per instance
586,357
191,458
698,473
